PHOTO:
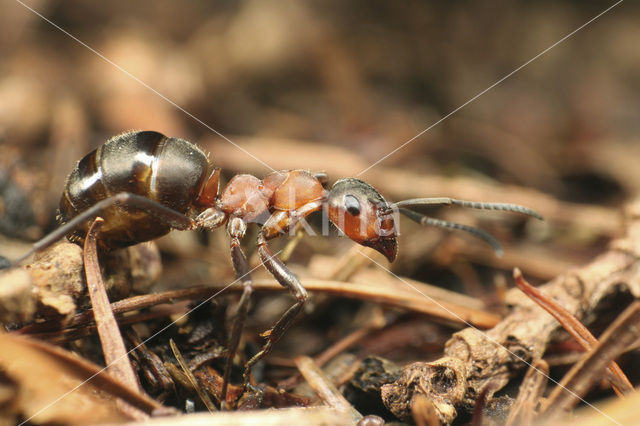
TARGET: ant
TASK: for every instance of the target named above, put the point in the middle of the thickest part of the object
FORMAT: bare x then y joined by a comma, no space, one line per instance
144,184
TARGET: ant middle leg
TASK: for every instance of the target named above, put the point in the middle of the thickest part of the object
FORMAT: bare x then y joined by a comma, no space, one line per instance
298,234
172,217
288,280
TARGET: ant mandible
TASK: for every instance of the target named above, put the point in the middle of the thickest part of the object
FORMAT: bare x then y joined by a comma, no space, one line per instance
144,184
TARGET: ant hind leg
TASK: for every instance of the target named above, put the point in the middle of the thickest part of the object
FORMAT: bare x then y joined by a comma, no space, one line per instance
174,218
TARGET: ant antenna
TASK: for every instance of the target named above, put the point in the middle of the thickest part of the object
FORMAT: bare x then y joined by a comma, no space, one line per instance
445,201
439,223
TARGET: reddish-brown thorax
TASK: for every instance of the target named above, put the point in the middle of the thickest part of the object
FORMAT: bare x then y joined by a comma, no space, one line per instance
293,189
248,197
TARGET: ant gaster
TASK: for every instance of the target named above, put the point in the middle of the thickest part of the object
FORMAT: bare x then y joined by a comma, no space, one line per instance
144,184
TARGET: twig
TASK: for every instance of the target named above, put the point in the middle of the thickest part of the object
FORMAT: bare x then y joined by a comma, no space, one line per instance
69,334
324,388
583,336
613,342
115,352
185,368
392,293
531,390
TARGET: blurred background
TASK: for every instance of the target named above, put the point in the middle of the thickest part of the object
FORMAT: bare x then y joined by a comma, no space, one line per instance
336,86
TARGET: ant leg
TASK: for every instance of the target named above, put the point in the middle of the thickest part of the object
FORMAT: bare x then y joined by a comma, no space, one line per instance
237,229
444,201
175,219
287,251
288,280
426,220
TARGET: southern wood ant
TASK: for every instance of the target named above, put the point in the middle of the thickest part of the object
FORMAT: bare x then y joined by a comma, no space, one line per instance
144,184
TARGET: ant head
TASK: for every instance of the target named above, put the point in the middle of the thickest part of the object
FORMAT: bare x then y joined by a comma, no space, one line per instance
359,211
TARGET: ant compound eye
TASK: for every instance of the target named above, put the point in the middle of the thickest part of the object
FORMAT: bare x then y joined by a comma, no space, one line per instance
352,205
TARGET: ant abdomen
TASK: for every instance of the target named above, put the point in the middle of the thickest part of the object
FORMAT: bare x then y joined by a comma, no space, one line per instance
170,171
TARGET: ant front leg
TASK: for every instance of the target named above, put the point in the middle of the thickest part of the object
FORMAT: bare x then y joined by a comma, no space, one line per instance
236,229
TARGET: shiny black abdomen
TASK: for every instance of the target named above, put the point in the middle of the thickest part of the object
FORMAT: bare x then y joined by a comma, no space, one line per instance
170,171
